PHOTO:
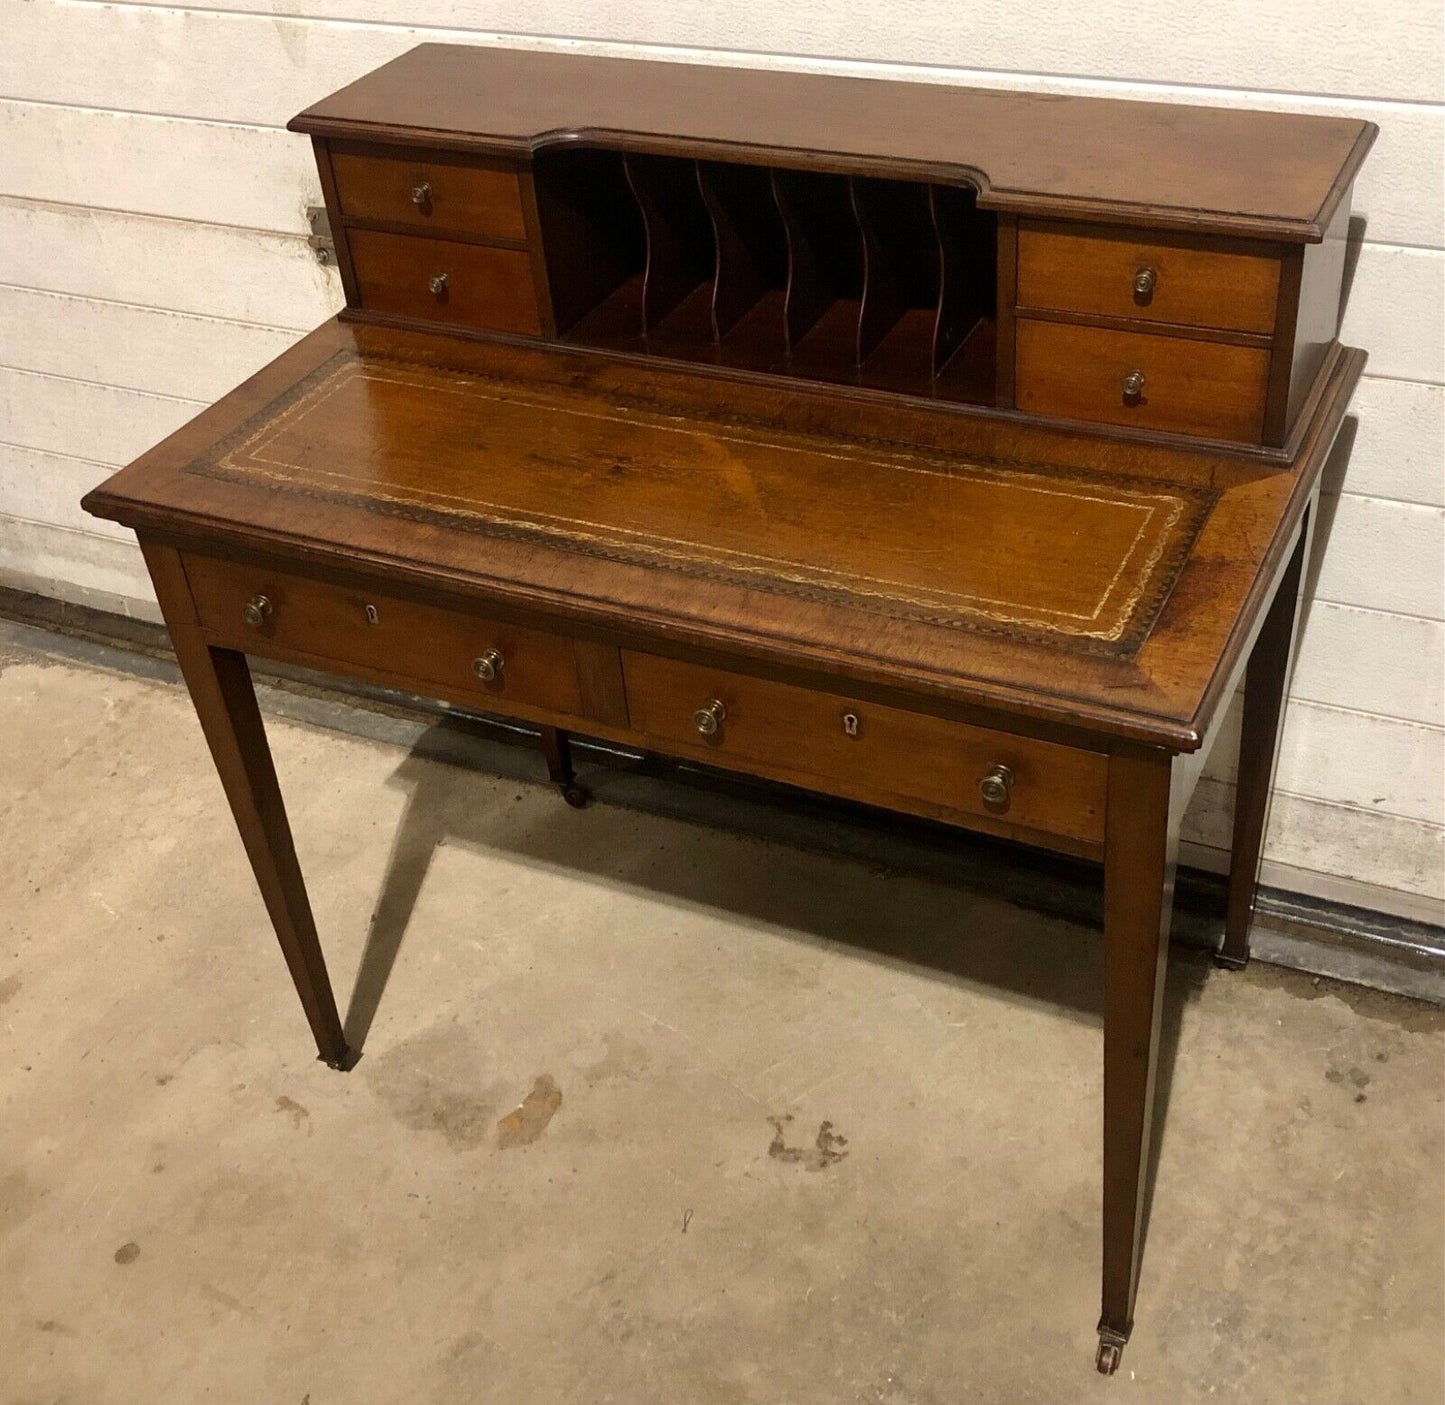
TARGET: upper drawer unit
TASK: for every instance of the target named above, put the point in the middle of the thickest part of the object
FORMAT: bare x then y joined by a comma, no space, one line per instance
1149,275
429,191
444,280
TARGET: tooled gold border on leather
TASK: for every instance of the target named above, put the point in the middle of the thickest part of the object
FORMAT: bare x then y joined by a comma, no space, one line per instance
1157,579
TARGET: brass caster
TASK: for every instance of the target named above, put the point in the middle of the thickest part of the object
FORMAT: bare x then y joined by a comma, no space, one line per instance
576,796
1108,1358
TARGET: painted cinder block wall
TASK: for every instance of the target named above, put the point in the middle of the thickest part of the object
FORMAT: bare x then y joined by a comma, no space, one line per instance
153,253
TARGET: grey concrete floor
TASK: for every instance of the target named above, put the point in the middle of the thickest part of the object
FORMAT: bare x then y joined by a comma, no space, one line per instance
793,1128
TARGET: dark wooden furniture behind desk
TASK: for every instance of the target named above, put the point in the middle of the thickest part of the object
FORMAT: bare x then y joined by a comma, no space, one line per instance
951,451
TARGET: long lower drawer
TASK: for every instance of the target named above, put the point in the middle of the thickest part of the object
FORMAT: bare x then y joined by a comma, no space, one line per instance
259,609
865,751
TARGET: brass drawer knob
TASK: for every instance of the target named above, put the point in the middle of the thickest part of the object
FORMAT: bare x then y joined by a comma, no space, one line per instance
1133,386
421,195
1144,281
256,611
996,787
488,667
438,285
708,718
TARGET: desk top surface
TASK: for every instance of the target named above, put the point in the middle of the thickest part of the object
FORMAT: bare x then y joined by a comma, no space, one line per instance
990,562
1274,174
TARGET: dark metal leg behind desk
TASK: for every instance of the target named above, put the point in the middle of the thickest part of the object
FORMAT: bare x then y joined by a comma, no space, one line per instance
219,681
1142,842
1266,682
557,748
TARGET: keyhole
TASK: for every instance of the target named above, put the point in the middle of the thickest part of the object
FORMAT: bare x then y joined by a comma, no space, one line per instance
373,615
850,723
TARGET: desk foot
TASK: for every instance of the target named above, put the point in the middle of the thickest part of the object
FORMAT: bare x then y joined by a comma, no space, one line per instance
343,1062
1109,1355
557,749
1229,961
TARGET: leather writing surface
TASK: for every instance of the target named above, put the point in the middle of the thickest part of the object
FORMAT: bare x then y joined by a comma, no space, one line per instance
1030,551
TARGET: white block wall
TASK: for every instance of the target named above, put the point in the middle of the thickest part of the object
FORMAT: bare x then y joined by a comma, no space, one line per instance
152,254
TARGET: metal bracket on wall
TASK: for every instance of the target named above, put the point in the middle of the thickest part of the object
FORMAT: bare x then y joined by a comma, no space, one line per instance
320,240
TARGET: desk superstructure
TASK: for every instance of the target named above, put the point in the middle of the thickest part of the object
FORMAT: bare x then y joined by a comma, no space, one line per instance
956,452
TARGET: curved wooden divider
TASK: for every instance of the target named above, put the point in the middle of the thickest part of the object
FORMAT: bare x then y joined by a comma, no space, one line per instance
861,280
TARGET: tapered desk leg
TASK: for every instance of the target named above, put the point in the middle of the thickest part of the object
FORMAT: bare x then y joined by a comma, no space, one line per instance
1266,681
557,748
219,681
1141,841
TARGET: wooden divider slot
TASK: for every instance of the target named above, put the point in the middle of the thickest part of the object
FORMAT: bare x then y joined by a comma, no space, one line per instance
825,274
677,286
964,331
594,244
901,283
749,290
861,280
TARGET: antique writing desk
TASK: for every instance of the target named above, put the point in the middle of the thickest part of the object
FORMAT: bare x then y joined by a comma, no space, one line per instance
950,451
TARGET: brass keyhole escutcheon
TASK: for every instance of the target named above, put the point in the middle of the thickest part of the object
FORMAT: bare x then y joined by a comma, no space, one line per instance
257,610
373,615
708,719
996,788
488,667
850,724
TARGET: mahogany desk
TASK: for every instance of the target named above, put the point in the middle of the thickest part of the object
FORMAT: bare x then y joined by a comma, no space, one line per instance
954,452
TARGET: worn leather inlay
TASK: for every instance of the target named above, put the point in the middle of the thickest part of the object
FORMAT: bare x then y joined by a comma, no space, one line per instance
1035,551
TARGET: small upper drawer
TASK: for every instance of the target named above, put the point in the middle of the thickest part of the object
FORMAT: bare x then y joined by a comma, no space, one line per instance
867,751
440,280
1149,381
1153,276
430,192
261,610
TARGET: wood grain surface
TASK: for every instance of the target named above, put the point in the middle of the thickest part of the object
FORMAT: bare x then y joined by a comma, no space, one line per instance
939,533
1268,173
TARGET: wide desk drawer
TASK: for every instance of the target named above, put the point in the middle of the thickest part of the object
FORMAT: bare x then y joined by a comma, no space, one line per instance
1230,285
260,610
428,191
442,280
1149,381
865,751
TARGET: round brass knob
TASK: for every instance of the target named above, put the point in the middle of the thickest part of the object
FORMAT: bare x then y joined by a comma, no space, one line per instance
488,666
438,285
996,787
708,718
256,611
1133,385
1144,281
421,194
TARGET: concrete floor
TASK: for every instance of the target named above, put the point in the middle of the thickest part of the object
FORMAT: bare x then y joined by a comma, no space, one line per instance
792,1128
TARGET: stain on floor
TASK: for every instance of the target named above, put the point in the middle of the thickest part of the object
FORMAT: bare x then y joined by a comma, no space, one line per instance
300,1117
828,1146
432,1082
526,1122
624,1058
